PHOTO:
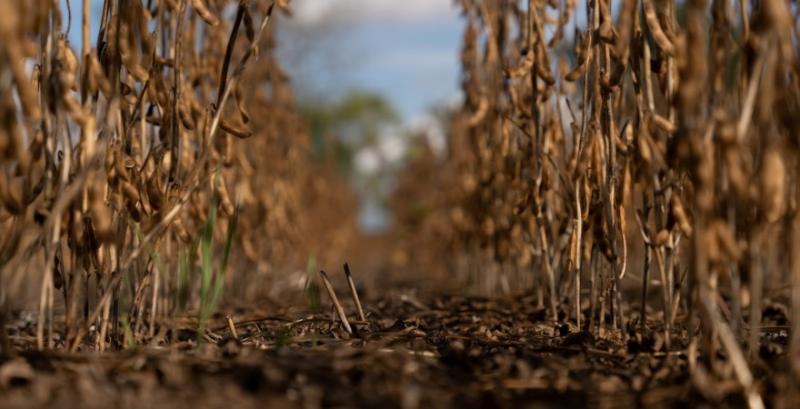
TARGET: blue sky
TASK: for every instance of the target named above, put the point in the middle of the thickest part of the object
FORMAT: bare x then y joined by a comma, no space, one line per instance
414,64
406,51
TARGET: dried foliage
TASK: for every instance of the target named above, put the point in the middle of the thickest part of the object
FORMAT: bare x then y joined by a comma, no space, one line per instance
640,173
114,158
415,352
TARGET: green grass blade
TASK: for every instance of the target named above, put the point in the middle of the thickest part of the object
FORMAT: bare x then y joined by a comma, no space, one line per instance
233,222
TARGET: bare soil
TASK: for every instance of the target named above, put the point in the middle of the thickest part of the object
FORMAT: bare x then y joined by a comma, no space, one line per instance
414,351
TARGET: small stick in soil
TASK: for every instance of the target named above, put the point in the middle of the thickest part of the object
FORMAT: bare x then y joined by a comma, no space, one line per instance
332,294
353,292
232,327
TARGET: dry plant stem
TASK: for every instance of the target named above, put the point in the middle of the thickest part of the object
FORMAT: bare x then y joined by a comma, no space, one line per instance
139,300
354,293
197,176
45,306
655,28
578,252
101,339
795,296
223,79
232,327
593,284
176,97
756,293
237,72
603,295
85,47
5,344
550,275
745,19
665,291
647,76
740,368
645,283
154,301
132,257
335,301
50,235
750,99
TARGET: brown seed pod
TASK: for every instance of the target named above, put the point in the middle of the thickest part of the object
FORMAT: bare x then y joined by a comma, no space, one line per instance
227,151
679,212
122,166
67,66
185,114
204,13
155,194
736,171
654,25
662,237
134,212
524,68
488,226
225,199
102,221
180,230
130,55
10,194
236,129
96,80
479,114
645,151
164,168
240,105
110,48
129,97
725,239
658,121
585,56
606,32
772,187
5,152
543,68
130,191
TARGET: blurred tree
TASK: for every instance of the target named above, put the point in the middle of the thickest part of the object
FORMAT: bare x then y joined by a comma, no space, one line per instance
346,125
353,131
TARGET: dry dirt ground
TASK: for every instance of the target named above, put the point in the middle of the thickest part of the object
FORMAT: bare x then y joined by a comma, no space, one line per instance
414,351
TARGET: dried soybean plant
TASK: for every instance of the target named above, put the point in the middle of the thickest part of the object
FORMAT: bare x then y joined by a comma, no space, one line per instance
639,172
113,157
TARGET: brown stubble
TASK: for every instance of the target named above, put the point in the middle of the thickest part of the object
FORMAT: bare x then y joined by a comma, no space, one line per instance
675,172
109,159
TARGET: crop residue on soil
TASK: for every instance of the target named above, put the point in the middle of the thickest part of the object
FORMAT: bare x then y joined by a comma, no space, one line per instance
413,352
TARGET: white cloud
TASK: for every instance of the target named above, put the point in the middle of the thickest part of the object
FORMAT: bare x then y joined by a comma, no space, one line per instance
367,161
419,58
309,12
392,145
431,129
